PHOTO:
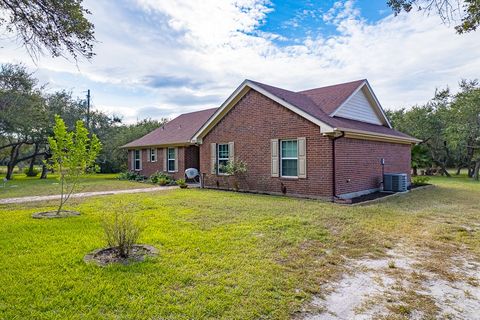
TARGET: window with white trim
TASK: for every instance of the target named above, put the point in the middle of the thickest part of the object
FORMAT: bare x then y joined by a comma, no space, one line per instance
223,155
153,155
289,158
137,160
171,159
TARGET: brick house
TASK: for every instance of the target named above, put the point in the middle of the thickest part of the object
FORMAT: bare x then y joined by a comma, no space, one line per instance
169,148
322,143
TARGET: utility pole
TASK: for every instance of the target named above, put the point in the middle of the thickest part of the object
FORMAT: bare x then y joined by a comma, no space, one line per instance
88,108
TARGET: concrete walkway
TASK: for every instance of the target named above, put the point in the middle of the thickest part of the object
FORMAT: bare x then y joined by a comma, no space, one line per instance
89,194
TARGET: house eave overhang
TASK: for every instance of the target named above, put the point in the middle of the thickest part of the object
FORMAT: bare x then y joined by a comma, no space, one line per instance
368,135
160,145
237,95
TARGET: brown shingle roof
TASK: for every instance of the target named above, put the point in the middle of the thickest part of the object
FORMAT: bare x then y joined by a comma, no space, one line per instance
321,102
331,97
177,131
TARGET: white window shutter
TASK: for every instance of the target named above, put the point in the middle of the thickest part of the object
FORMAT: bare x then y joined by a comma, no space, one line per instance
302,157
149,155
141,164
165,159
213,157
274,158
176,159
231,151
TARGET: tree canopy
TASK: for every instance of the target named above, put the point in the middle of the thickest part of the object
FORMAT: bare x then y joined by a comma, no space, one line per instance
467,11
449,127
23,139
59,27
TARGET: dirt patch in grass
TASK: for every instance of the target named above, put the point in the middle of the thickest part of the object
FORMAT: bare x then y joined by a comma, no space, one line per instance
106,256
405,284
55,214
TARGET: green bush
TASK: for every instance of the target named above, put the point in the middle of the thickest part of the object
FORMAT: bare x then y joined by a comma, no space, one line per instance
122,229
32,173
160,178
130,175
181,183
163,181
420,180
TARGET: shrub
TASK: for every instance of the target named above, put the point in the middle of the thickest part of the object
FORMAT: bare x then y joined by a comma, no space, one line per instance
122,230
236,167
181,183
33,173
163,181
158,177
130,175
420,180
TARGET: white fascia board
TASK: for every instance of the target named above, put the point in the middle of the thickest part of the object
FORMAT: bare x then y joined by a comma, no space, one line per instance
323,126
195,138
382,135
378,106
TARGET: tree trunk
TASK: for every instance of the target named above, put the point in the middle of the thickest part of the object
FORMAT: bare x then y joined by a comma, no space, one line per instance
44,172
32,161
13,161
415,171
476,171
459,169
471,169
444,170
44,166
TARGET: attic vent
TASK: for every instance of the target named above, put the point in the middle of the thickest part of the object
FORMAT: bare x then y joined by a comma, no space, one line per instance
395,182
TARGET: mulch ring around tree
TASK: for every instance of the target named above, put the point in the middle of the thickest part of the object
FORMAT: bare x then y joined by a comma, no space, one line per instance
106,256
54,214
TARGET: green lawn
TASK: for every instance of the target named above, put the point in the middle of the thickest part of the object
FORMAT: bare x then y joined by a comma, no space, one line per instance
22,186
221,254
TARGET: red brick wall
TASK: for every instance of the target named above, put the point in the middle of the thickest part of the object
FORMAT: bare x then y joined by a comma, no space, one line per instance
256,119
185,154
250,125
192,157
358,163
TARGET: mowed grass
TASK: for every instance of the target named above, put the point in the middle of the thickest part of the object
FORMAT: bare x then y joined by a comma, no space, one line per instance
23,186
221,254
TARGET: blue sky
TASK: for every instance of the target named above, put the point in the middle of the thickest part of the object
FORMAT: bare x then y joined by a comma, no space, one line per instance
296,20
157,58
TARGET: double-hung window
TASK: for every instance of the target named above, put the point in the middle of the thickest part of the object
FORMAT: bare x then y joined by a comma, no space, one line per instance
137,160
171,159
223,155
153,155
289,158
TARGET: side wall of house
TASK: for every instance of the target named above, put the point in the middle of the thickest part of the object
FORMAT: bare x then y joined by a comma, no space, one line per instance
187,158
250,125
358,163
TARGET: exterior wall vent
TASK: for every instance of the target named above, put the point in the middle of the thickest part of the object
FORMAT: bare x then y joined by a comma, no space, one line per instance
395,182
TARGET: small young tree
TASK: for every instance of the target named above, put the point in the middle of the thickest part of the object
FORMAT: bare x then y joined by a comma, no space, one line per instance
122,230
73,155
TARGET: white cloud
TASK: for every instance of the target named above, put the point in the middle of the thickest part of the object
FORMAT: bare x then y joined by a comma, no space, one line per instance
185,55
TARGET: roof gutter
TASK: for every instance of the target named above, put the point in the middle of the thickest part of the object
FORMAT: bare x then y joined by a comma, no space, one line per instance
368,134
334,169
